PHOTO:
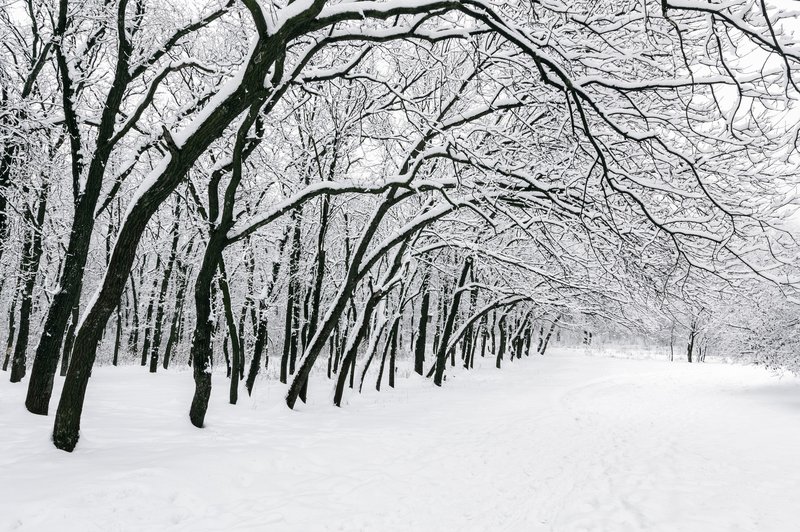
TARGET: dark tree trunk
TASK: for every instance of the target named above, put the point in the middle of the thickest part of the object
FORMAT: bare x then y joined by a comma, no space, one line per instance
474,348
528,335
350,315
371,355
133,337
148,325
227,354
240,329
177,314
12,326
337,348
352,374
32,254
493,331
393,352
287,334
387,349
162,293
259,350
549,334
292,318
501,324
519,336
441,356
117,338
331,348
70,339
467,348
247,308
422,337
259,347
484,335
201,350
6,160
303,320
360,331
441,311
236,351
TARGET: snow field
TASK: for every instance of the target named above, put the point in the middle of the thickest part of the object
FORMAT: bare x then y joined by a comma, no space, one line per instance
564,442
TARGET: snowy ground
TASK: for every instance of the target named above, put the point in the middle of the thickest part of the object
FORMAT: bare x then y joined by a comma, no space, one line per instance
561,443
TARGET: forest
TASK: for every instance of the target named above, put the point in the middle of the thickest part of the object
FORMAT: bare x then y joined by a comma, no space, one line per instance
328,196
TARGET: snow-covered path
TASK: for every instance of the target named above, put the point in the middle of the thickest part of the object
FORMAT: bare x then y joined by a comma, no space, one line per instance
560,443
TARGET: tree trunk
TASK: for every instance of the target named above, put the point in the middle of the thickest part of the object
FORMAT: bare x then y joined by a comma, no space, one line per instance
162,293
331,342
549,334
337,348
373,348
467,348
292,318
148,317
258,349
390,340
32,254
494,332
12,326
70,339
422,337
177,314
441,311
502,343
528,335
133,338
236,352
441,356
247,308
226,352
6,160
117,338
484,335
201,350
393,352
